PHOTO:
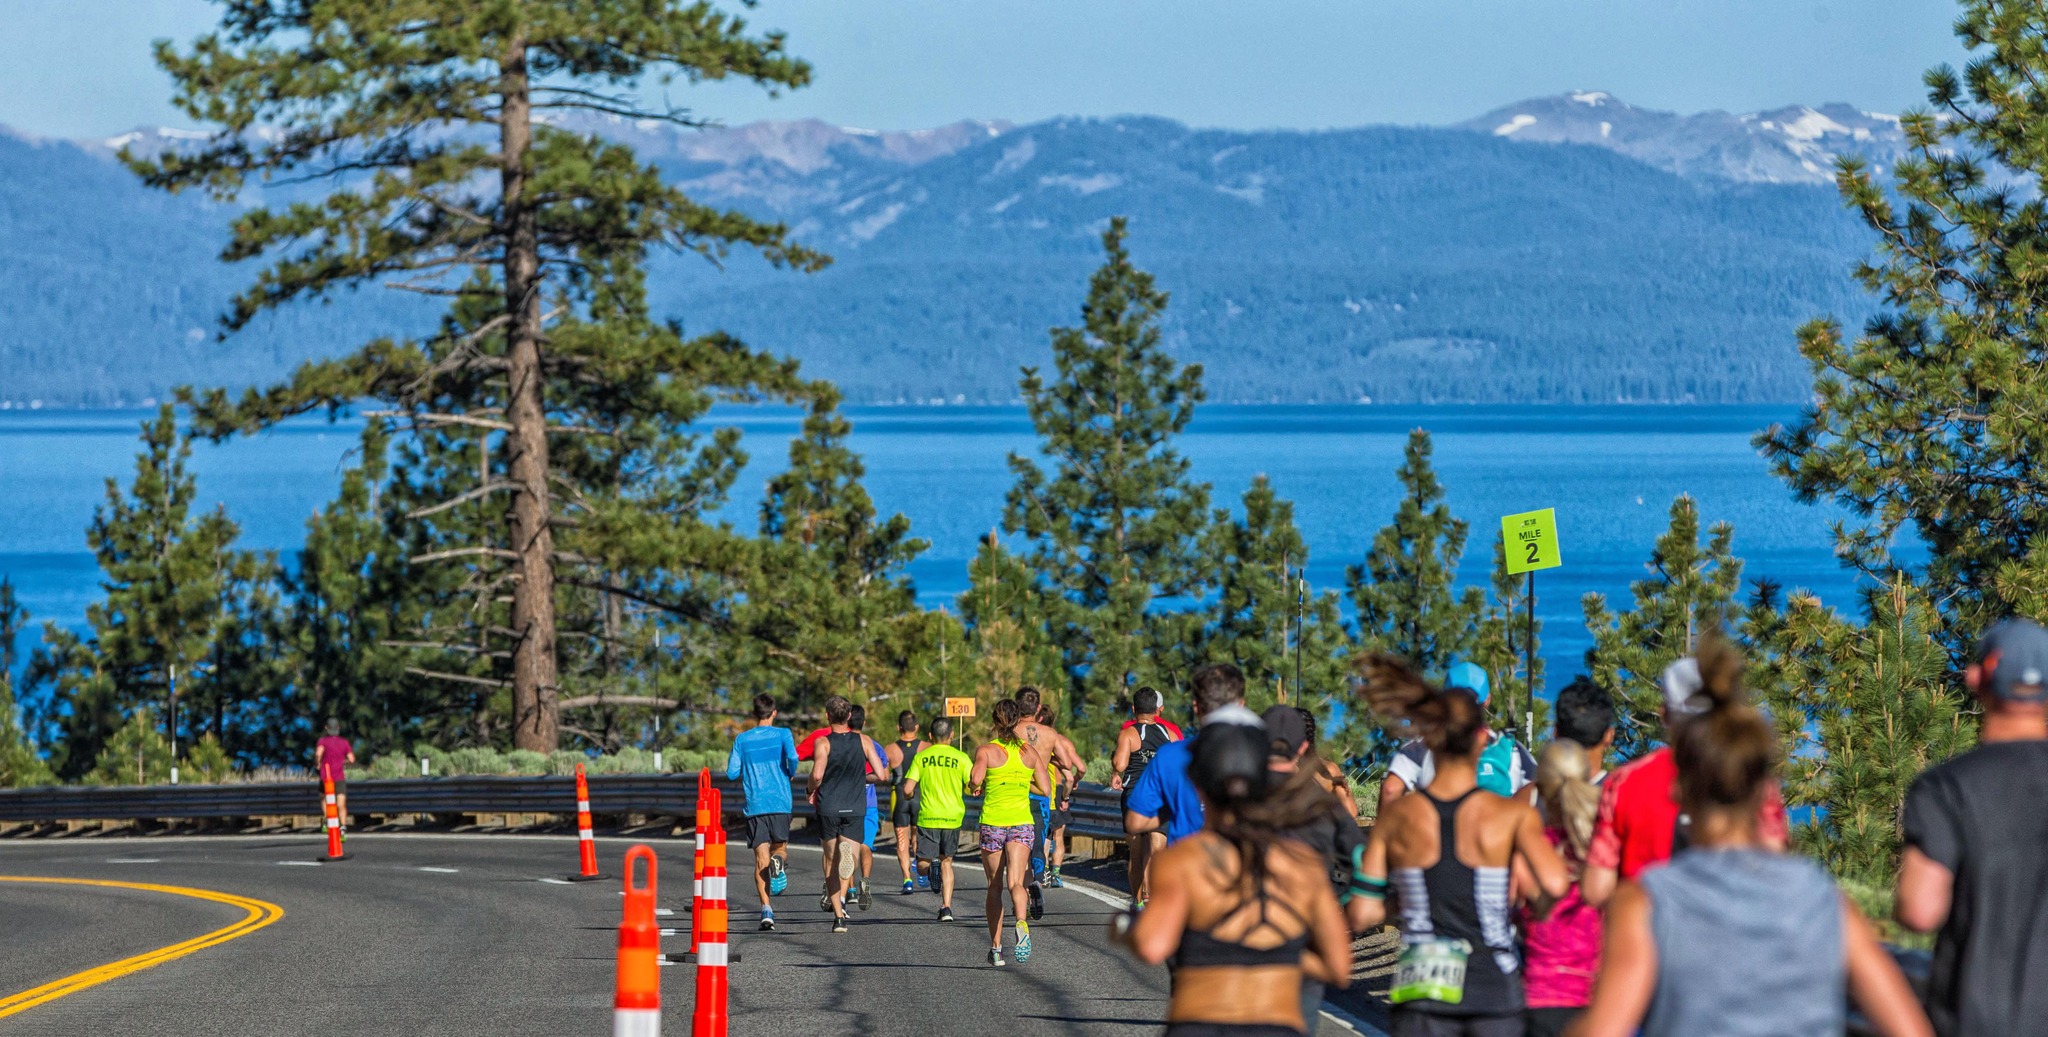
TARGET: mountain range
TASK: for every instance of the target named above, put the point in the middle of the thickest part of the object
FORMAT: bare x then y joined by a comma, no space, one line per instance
1564,249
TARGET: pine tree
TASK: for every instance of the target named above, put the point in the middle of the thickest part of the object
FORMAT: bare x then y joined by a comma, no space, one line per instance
1262,618
1691,589
20,765
1118,522
167,572
136,754
447,136
1928,422
1405,593
1012,625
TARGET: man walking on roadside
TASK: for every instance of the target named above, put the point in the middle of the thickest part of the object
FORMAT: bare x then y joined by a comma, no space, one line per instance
331,755
1975,866
838,784
1164,798
903,805
764,759
937,781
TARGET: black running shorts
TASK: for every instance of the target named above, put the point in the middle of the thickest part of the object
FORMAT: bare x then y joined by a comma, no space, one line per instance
830,827
936,844
767,828
1058,819
904,813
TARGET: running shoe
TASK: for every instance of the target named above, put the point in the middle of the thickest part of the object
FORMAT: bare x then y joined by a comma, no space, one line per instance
1037,898
825,902
909,887
1053,881
995,956
922,878
838,923
1023,943
778,876
867,895
767,923
945,914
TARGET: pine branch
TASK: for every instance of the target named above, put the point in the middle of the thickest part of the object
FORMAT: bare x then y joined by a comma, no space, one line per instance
460,678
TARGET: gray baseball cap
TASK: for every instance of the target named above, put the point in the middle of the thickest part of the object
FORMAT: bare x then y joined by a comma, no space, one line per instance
2012,660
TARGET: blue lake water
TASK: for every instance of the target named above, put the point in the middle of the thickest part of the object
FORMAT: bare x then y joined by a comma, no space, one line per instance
1610,472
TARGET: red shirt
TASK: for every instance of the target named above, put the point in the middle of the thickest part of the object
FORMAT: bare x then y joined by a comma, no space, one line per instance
808,748
1171,727
1639,815
333,752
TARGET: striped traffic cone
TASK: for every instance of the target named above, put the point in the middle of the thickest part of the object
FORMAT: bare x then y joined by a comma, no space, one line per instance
636,1001
332,813
586,840
709,1020
704,790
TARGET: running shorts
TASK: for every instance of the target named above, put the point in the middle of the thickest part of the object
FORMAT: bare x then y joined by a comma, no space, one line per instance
904,813
870,826
831,827
767,828
937,844
994,838
1059,819
1408,1022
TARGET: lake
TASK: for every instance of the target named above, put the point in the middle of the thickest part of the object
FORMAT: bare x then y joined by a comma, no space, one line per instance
1610,472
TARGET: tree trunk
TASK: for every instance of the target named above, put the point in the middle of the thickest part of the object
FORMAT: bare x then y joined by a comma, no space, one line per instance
534,691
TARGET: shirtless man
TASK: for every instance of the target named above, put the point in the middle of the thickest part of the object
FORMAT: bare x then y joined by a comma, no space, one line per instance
1066,767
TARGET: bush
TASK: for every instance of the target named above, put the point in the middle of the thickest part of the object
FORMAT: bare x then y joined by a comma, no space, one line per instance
477,761
526,761
136,755
207,763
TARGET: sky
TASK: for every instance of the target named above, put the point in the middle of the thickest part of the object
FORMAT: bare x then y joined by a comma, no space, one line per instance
80,68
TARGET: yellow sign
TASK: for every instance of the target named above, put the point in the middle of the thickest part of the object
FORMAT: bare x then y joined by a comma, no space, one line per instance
1531,541
959,707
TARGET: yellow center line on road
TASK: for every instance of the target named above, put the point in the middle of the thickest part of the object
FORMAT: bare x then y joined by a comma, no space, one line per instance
261,913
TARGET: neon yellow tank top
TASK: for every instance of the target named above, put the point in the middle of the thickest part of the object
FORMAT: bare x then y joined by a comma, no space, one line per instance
1006,793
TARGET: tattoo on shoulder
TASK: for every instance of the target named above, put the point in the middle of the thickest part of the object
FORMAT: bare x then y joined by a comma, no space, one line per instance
1031,736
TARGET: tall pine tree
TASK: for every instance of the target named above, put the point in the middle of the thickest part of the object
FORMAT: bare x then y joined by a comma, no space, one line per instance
1405,593
1263,619
1117,523
447,137
1929,421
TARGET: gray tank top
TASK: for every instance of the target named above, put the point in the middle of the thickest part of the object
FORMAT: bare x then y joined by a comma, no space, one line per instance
1749,944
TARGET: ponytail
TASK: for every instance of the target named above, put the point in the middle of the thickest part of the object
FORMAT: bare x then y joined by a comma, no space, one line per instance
1008,714
1570,801
1448,722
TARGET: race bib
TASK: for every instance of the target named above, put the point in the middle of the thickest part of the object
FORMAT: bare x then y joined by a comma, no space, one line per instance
1430,969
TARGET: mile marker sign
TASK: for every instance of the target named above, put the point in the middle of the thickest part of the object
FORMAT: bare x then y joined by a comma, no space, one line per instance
1531,541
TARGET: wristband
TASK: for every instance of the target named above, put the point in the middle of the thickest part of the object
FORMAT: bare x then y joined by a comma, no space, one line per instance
1363,886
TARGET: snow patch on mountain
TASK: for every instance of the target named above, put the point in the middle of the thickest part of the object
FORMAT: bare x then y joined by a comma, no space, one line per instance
1521,121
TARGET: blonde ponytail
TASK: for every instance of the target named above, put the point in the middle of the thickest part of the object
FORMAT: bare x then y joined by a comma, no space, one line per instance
1570,800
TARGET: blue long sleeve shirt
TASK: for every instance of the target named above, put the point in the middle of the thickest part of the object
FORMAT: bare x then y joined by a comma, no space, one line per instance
764,759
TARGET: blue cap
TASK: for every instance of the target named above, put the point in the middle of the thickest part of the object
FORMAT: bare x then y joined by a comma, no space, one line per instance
1467,675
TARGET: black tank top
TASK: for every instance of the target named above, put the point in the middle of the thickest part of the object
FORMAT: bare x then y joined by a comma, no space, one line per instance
1453,900
909,748
842,792
1151,738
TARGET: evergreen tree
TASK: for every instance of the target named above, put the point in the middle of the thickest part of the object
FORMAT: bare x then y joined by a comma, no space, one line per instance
136,754
1118,522
1691,589
1928,421
168,572
20,765
1262,617
1405,593
207,763
447,136
1011,623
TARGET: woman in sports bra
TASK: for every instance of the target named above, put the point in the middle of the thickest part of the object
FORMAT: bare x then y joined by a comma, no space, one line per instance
1242,912
1450,853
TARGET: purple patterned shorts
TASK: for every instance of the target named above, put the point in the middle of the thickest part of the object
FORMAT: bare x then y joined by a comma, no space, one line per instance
994,838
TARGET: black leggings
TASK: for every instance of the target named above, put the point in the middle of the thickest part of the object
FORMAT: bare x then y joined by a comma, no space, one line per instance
1230,1030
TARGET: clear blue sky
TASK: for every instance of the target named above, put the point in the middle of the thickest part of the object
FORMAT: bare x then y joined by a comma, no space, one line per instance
82,67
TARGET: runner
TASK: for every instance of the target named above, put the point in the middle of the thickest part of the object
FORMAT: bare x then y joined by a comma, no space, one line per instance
331,755
1561,938
1976,858
836,789
1062,799
1326,771
937,782
903,805
764,759
1505,767
1164,797
1059,758
1450,852
1733,936
871,822
1640,823
1585,714
1330,827
1243,912
1006,772
1141,737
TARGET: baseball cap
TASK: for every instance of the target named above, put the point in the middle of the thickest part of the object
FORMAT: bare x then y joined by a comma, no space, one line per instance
2012,660
1284,726
1682,685
1467,675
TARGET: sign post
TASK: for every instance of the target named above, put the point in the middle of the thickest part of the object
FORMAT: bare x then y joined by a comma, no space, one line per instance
1529,542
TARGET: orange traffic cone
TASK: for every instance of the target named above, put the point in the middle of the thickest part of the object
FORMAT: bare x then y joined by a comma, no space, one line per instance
586,840
332,812
636,1001
697,862
709,1020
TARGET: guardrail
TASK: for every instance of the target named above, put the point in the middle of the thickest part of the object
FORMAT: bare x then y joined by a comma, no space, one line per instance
1097,811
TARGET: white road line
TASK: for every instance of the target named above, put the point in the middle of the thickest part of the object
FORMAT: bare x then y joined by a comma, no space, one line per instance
1103,893
1352,1022
134,860
298,864
664,910
443,871
558,882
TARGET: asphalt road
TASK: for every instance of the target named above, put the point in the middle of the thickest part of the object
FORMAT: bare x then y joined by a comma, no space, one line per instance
428,935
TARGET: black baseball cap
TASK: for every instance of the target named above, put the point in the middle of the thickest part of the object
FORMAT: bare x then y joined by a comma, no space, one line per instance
1284,726
2012,660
